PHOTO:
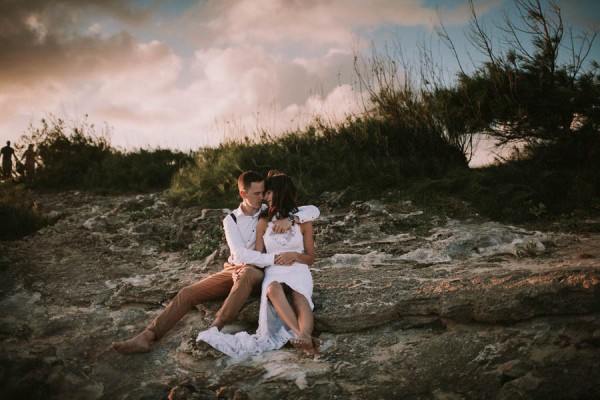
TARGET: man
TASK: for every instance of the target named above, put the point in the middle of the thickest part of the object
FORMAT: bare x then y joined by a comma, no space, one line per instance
240,274
7,155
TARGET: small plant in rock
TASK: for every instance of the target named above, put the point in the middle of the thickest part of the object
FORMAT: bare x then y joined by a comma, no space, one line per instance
141,215
530,249
171,245
207,245
537,210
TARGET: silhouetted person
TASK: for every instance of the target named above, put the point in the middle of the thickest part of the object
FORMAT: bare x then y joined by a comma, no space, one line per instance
29,157
7,155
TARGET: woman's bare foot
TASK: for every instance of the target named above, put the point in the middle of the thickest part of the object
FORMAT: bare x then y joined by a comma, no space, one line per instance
138,344
317,343
308,344
218,323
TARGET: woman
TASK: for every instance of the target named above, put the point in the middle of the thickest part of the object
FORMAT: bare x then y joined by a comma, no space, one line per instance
30,162
278,321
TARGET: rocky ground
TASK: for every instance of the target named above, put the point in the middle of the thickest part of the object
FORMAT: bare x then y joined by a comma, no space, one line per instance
410,305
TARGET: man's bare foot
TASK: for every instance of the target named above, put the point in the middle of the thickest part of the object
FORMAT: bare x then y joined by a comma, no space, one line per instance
138,344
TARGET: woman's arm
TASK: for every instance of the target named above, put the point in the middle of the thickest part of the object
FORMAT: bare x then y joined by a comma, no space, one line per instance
261,228
308,257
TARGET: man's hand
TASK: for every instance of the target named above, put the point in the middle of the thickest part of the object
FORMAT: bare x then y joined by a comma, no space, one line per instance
236,272
239,268
287,258
282,225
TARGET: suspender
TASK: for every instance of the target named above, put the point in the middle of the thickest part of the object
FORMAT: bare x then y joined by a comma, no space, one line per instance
232,215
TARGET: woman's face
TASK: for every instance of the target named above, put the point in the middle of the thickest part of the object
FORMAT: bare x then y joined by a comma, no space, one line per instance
268,197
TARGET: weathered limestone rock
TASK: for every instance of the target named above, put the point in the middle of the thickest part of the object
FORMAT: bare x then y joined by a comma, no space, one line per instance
409,305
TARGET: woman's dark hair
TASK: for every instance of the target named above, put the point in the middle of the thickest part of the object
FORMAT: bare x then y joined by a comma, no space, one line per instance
284,194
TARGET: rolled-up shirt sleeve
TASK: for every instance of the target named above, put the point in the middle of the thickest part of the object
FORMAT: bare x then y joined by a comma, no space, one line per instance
307,213
237,246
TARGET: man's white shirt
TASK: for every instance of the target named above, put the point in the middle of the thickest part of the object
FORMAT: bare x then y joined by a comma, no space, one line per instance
241,235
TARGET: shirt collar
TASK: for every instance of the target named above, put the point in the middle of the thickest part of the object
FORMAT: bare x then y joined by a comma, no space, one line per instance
239,213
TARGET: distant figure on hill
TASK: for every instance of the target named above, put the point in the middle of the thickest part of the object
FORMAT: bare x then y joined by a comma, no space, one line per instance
7,153
29,156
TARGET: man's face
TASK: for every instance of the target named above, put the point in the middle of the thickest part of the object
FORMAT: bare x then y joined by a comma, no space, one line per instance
253,197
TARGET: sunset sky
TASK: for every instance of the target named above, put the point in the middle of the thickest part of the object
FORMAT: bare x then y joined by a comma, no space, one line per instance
185,74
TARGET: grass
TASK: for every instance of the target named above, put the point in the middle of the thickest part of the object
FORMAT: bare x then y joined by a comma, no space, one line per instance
368,158
557,185
18,212
365,156
206,245
74,156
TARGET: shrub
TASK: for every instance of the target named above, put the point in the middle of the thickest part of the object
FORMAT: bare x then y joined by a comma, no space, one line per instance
66,154
551,180
76,157
369,155
18,212
138,171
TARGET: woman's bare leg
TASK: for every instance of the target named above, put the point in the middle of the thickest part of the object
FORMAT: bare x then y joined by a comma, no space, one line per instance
306,322
281,305
301,323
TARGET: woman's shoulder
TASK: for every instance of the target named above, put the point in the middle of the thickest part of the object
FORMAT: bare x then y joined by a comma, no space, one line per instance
305,225
262,222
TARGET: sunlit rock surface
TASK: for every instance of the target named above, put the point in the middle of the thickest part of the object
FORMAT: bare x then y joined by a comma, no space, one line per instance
410,305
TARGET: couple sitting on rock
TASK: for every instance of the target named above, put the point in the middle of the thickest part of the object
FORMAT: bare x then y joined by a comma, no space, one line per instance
271,245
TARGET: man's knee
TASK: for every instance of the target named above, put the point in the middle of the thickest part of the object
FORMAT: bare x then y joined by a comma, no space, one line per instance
251,275
185,295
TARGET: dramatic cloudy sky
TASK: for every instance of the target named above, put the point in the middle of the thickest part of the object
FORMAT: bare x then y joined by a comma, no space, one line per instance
185,74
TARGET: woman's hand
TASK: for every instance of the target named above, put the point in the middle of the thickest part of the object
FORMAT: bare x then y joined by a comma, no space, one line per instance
286,258
281,225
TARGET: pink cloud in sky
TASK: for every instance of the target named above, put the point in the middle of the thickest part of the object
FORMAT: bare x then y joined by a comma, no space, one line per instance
187,74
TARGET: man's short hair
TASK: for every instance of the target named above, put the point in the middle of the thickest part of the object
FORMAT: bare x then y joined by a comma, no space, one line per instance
246,178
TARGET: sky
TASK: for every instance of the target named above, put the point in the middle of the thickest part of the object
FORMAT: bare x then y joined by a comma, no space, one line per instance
186,74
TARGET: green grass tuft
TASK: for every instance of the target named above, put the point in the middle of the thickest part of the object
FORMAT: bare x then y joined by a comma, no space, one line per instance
18,212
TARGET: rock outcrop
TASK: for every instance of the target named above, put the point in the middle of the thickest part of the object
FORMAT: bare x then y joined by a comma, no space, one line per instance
410,305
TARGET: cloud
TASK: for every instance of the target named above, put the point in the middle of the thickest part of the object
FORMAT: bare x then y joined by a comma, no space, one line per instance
187,74
303,24
71,63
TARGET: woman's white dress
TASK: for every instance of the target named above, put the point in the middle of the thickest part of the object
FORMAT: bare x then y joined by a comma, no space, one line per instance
271,333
